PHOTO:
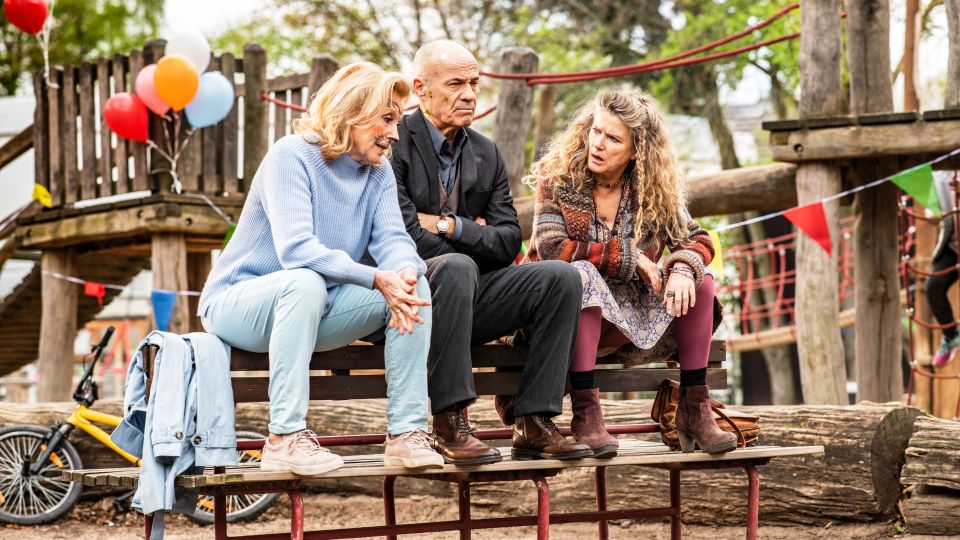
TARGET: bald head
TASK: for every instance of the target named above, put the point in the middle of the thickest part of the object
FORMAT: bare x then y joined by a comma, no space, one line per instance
446,79
432,58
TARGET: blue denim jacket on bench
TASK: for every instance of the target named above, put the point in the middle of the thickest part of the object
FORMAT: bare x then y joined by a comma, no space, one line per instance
187,423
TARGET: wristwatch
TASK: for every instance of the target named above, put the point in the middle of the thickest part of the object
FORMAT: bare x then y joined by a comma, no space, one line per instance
443,225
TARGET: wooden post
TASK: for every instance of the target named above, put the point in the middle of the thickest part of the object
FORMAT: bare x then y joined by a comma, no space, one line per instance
256,119
822,372
952,94
198,268
323,66
876,234
41,152
544,129
514,108
58,324
169,254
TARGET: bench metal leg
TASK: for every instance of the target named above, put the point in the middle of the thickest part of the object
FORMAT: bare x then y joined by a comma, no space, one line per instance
543,508
219,515
753,500
603,530
296,514
675,532
463,500
389,504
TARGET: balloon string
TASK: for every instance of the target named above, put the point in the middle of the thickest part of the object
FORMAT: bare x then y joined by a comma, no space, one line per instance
44,38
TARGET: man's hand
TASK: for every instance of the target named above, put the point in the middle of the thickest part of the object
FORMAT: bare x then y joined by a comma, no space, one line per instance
479,220
428,222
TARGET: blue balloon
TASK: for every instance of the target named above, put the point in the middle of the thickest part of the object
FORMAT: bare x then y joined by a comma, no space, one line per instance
213,101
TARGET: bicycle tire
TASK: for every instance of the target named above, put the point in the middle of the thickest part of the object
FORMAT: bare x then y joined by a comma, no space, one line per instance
246,507
50,497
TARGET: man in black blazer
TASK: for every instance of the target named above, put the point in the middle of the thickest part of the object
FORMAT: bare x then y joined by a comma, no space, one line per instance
455,198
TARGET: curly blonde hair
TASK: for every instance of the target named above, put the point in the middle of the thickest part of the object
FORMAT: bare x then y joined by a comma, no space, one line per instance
654,177
354,96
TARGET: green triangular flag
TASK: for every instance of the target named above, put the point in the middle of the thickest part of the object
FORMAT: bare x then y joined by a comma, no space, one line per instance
230,230
918,183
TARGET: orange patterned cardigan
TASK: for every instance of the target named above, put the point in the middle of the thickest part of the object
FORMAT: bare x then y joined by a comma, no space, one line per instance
561,231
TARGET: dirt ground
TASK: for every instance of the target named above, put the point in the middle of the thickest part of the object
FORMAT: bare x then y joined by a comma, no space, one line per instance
99,521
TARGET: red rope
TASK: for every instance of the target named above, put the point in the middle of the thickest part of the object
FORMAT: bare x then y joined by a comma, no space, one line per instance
625,70
266,97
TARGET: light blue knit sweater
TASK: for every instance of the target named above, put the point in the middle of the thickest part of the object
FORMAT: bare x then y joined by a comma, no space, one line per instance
303,211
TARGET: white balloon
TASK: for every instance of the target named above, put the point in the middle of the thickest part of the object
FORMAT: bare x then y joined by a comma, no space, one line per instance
192,45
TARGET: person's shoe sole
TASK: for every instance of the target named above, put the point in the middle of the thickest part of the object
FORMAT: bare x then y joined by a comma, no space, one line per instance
520,454
606,452
473,461
414,463
301,470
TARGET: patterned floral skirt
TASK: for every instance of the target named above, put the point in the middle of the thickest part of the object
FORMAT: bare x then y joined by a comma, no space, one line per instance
637,312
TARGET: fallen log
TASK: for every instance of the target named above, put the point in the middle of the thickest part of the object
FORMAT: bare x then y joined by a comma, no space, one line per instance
931,477
855,480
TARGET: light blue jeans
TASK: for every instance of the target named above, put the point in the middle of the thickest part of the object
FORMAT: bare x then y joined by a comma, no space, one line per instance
283,314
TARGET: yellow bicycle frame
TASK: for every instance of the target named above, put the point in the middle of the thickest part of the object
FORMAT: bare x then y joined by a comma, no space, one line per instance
83,417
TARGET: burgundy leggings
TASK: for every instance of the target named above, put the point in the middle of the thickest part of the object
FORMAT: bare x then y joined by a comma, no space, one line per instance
692,331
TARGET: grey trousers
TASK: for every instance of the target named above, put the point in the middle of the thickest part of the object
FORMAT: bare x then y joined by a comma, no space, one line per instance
470,308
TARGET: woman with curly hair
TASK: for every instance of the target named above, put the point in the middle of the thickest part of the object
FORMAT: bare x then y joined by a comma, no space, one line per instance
609,200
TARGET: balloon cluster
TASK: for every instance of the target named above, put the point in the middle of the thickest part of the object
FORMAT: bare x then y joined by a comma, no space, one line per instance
171,86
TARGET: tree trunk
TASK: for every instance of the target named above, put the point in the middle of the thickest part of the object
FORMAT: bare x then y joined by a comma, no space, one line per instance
822,372
876,234
911,50
952,94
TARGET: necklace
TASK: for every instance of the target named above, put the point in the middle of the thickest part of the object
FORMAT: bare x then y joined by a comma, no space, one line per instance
610,186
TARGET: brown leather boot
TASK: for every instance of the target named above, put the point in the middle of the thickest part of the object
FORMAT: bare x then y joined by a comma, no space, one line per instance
587,423
454,440
696,425
504,406
536,436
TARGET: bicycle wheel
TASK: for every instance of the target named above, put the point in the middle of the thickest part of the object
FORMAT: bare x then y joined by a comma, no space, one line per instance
35,499
239,507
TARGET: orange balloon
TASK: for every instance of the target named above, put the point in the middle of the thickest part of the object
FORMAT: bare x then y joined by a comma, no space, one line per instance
176,80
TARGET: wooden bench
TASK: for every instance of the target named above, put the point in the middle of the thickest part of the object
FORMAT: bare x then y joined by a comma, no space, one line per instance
334,377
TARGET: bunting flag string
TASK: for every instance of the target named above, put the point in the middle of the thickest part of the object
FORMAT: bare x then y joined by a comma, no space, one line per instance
105,286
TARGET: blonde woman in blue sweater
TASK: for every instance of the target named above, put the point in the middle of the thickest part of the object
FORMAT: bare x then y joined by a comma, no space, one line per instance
289,282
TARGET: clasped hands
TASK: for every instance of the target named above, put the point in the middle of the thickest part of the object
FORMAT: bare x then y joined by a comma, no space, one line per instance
399,289
680,291
428,222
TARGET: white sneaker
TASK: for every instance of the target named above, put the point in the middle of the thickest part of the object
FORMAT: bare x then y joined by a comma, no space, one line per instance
300,454
412,450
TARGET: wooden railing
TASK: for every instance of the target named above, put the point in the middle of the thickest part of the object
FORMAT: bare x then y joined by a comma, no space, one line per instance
77,157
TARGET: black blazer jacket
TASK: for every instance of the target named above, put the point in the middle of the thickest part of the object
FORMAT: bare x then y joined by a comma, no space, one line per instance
484,192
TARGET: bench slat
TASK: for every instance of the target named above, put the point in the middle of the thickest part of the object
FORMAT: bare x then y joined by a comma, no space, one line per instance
632,452
371,357
340,387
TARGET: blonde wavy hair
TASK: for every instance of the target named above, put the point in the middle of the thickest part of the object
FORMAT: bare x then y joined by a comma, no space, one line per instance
354,96
654,177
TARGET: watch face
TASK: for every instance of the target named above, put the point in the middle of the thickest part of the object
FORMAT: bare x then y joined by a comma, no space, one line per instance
443,225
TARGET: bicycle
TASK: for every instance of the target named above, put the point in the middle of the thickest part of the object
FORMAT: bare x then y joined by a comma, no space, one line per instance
32,490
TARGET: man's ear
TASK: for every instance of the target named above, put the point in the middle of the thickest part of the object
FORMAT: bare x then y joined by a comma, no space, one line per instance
419,88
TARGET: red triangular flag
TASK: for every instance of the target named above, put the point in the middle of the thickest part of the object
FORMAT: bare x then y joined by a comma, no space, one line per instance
811,219
96,290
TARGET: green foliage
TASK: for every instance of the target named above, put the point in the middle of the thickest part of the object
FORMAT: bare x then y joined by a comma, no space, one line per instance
82,30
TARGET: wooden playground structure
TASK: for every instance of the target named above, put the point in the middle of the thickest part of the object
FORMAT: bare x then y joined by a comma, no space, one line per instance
823,151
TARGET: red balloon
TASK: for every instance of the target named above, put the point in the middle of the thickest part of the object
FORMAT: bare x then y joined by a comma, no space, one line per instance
127,116
27,15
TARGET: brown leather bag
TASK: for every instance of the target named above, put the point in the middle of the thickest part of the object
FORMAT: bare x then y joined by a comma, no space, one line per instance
664,412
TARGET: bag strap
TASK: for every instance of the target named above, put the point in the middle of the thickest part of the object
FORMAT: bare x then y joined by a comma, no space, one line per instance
741,440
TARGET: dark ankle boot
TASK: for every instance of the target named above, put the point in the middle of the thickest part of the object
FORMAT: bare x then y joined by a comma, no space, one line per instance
454,440
696,425
536,436
504,406
588,426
